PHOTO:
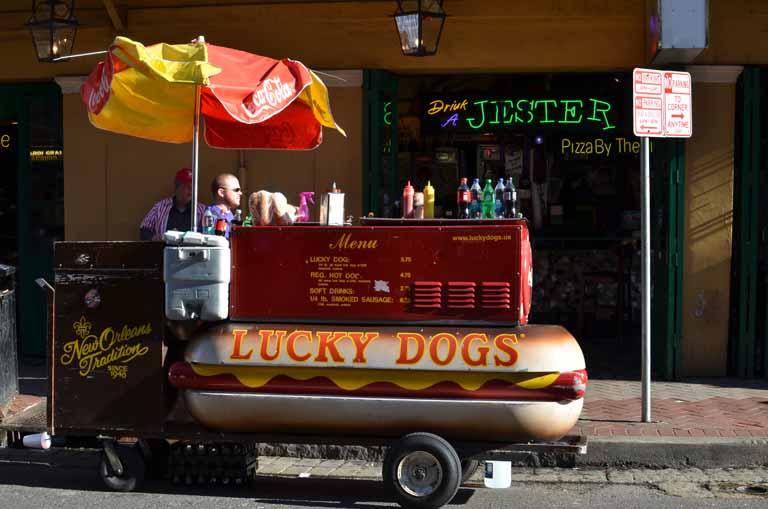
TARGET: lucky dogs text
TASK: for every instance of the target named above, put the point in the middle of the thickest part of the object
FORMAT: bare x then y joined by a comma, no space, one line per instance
321,347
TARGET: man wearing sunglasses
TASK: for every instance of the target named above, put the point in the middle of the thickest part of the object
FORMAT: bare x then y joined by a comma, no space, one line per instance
226,198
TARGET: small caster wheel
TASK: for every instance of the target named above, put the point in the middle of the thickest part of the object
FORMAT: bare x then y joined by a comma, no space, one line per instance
133,473
422,471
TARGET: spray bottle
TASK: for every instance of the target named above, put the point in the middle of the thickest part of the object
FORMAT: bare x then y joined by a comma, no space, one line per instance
304,214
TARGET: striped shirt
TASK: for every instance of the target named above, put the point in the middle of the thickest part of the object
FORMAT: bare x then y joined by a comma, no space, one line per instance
156,219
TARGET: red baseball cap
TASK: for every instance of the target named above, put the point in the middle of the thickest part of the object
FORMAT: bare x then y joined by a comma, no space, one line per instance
184,176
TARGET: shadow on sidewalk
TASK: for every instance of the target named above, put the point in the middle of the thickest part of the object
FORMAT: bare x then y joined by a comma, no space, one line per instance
320,493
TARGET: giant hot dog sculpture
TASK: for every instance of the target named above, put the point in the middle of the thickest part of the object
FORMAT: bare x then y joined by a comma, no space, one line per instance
521,384
449,354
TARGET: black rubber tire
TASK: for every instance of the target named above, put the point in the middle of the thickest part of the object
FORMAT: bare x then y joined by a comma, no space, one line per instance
442,451
468,467
134,469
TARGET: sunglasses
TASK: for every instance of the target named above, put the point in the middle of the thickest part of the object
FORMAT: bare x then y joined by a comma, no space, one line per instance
235,189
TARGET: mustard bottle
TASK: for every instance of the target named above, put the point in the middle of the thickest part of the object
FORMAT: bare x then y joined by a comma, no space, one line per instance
429,201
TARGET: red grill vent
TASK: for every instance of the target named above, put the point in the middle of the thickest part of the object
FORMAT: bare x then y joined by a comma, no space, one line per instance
495,295
461,295
427,295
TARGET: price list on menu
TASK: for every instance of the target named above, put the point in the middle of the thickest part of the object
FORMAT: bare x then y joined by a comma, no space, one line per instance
349,280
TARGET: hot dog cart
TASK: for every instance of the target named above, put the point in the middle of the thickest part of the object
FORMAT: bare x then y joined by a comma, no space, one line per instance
411,334
407,333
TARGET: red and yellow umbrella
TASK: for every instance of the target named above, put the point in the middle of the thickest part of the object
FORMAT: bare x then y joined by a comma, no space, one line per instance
248,101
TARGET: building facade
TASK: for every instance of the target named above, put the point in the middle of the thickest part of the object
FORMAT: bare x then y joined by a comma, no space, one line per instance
708,257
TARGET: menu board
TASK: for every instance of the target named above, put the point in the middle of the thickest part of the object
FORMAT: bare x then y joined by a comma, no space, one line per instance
365,274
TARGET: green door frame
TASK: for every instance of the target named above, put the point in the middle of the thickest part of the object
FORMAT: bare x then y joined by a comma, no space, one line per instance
668,222
747,226
380,113
14,105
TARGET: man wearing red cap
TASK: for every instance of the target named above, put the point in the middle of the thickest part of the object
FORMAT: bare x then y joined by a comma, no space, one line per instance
174,212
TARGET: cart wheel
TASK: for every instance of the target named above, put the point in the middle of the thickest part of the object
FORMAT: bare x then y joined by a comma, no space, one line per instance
468,467
422,471
134,469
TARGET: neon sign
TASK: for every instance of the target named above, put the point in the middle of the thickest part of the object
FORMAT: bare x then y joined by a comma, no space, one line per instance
487,113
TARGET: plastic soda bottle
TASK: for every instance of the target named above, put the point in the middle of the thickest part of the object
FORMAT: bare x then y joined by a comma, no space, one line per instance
429,201
498,199
488,205
208,222
476,207
221,227
463,199
510,199
408,200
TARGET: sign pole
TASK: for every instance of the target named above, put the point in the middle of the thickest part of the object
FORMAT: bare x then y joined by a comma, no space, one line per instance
645,227
662,108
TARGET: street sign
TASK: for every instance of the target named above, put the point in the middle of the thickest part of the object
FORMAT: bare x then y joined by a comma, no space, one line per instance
648,103
661,103
677,104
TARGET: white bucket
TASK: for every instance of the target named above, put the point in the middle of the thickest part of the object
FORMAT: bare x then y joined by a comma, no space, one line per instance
498,474
37,441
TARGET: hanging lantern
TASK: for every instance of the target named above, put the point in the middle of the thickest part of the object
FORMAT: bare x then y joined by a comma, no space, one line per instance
53,26
419,24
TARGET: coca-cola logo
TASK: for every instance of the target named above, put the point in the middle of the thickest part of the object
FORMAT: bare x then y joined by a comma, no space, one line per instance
269,97
99,85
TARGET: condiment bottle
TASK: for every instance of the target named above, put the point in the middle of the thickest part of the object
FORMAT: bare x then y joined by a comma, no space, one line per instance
429,201
418,205
408,200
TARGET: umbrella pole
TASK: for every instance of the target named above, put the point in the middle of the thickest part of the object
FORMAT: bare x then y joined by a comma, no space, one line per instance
195,158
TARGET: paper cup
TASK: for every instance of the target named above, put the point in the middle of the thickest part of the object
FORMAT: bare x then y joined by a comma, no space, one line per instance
37,441
498,474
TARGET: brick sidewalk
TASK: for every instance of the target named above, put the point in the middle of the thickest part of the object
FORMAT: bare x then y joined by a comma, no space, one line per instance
693,408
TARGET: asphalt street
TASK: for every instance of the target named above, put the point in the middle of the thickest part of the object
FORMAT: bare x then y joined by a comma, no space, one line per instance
39,485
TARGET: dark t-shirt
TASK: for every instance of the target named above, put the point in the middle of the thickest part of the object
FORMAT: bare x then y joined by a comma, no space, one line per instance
179,220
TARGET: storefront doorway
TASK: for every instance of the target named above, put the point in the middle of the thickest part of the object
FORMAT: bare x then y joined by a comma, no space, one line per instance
31,198
748,340
566,141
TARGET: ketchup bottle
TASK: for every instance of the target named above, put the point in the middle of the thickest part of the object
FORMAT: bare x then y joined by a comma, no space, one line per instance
408,200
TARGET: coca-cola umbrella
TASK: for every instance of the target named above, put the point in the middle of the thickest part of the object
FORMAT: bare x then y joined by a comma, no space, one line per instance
248,101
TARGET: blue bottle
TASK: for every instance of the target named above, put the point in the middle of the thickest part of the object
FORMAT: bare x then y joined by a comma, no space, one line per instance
476,205
498,199
208,222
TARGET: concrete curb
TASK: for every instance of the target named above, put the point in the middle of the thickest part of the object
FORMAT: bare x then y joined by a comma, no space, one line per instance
616,452
660,452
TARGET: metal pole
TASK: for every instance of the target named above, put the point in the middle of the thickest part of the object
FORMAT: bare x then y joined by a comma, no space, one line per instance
195,151
645,226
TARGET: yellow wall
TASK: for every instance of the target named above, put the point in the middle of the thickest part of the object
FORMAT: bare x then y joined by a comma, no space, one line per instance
487,35
479,36
708,230
111,181
738,33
